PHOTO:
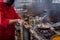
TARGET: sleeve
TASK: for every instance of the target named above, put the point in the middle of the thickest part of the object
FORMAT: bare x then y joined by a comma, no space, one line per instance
16,16
3,21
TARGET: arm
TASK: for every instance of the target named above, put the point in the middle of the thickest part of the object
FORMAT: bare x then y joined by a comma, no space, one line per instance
13,21
5,22
16,16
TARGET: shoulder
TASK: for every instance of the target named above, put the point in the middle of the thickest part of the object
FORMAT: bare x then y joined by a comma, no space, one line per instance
12,7
2,6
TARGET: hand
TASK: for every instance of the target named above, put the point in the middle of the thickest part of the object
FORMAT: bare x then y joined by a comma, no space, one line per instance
25,24
20,21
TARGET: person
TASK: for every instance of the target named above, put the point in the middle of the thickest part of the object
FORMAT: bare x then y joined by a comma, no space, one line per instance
8,18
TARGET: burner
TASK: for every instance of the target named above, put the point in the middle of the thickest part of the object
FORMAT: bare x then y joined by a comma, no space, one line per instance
46,33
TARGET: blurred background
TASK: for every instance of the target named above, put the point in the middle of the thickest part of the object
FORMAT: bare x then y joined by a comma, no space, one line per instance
38,7
30,9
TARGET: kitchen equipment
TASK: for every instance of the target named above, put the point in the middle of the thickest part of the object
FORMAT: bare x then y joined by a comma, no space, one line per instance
55,37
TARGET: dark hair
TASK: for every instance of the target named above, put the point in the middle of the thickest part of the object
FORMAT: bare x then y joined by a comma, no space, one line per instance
10,2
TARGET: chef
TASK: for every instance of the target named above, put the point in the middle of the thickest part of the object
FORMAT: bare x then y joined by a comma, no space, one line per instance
8,18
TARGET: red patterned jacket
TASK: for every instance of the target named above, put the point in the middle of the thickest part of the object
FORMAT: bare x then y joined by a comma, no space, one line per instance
6,13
